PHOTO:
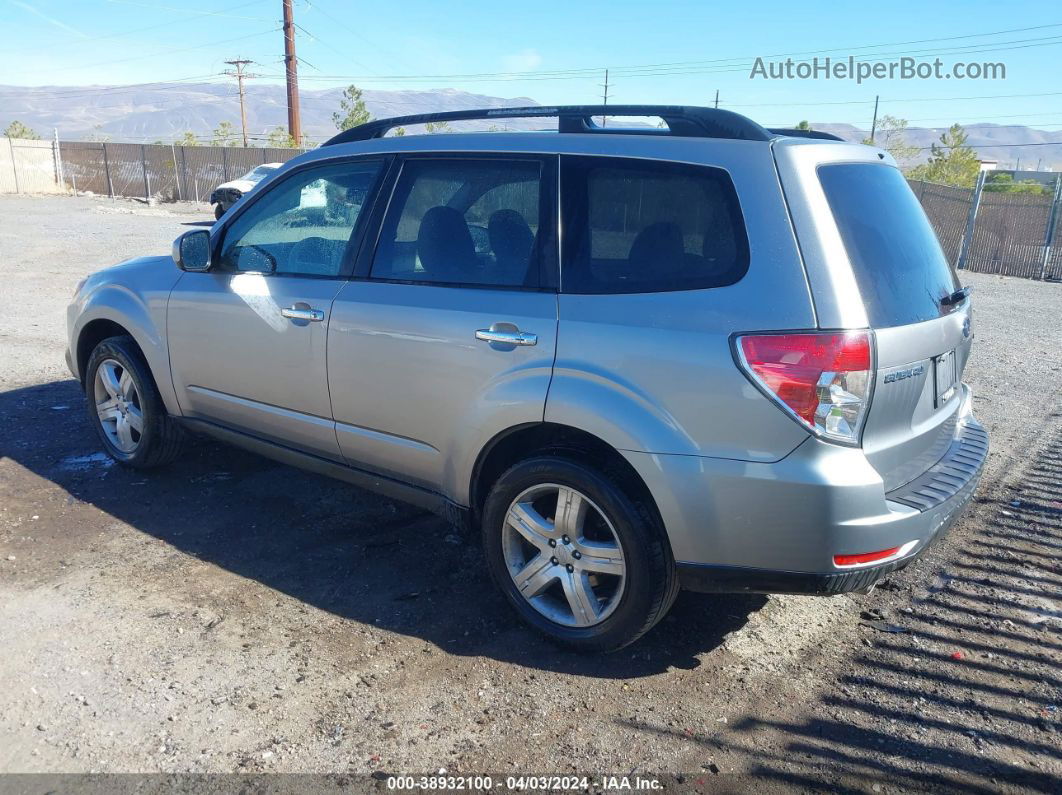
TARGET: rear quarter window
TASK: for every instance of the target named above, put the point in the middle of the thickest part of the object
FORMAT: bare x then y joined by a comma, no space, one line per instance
635,226
896,258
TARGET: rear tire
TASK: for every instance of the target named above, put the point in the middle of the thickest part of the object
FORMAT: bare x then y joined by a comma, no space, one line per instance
589,567
125,408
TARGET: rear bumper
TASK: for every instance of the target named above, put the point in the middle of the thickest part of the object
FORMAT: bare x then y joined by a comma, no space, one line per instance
775,528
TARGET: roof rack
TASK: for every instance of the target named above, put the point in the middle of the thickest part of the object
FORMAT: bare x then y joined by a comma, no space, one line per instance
681,120
825,136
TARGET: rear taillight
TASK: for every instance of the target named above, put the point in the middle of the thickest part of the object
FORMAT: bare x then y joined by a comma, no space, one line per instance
823,379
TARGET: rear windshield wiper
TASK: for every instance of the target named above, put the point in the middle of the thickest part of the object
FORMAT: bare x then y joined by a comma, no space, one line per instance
956,297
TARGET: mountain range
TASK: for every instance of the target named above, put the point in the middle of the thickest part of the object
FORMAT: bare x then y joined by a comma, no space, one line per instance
164,111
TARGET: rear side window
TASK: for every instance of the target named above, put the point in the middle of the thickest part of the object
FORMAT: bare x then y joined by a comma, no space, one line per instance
634,226
896,258
467,222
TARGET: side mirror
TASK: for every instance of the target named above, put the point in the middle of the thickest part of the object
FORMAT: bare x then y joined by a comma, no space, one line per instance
191,251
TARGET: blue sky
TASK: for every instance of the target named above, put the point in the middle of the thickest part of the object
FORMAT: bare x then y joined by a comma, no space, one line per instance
670,51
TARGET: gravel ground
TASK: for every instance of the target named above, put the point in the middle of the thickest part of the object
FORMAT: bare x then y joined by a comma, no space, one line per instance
232,614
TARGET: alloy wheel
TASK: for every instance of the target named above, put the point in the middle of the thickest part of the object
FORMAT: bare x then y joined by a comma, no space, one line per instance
118,405
564,555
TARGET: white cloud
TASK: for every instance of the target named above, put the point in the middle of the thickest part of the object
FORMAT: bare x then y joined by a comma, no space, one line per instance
523,61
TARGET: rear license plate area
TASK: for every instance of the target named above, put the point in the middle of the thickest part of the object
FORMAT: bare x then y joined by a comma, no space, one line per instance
944,376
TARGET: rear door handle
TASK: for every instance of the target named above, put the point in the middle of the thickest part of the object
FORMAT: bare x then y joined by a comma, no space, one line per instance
506,337
312,315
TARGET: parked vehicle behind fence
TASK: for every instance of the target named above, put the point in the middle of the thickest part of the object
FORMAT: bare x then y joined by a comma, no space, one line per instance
709,355
228,193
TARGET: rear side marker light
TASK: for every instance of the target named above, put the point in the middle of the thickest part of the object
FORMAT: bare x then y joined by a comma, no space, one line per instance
823,379
866,557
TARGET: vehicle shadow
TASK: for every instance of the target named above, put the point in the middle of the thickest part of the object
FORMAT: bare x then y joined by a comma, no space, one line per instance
965,697
333,546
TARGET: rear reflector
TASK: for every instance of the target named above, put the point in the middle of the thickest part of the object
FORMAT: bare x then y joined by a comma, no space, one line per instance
866,557
823,379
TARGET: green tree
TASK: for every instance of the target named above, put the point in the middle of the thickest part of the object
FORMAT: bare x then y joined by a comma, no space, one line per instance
399,131
803,125
891,135
1002,182
280,138
352,109
225,135
433,127
951,161
188,138
17,129
99,135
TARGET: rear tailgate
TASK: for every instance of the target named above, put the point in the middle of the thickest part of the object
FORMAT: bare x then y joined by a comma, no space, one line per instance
878,253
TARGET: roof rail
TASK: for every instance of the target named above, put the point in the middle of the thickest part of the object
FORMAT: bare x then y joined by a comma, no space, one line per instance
825,136
683,120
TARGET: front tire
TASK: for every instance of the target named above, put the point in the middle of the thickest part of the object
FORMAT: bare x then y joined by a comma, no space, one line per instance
125,408
578,558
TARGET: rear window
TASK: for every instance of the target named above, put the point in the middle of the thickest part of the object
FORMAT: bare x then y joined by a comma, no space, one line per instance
896,258
634,226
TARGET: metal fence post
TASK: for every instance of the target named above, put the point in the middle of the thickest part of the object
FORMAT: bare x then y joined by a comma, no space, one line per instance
107,170
143,166
59,178
1052,220
14,165
967,237
225,163
176,173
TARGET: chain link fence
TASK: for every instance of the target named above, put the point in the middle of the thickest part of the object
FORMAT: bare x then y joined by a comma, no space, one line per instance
1012,234
160,171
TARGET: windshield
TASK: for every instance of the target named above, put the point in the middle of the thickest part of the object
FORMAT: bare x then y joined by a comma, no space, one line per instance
896,258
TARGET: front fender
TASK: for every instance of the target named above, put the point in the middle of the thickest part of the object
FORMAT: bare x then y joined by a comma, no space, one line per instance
142,313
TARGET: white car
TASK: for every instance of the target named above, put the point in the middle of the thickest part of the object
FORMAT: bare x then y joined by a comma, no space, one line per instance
228,193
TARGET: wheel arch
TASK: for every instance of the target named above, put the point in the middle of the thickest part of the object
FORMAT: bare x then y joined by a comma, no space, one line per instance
523,441
121,316
92,334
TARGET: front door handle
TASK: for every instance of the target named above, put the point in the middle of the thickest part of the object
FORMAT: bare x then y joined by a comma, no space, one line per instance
506,336
311,315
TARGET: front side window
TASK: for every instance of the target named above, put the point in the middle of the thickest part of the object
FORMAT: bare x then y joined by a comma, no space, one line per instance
303,224
634,226
470,222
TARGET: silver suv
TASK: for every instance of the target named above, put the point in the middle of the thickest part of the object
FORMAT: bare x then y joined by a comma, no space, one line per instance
705,355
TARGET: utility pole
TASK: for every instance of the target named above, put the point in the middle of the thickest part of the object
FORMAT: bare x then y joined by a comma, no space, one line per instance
604,119
291,71
717,97
239,74
874,124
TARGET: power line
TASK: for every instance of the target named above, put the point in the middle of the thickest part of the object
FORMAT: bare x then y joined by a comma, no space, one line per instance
168,23
739,62
195,12
170,52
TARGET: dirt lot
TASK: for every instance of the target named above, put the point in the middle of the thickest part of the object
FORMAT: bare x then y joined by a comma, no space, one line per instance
232,614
